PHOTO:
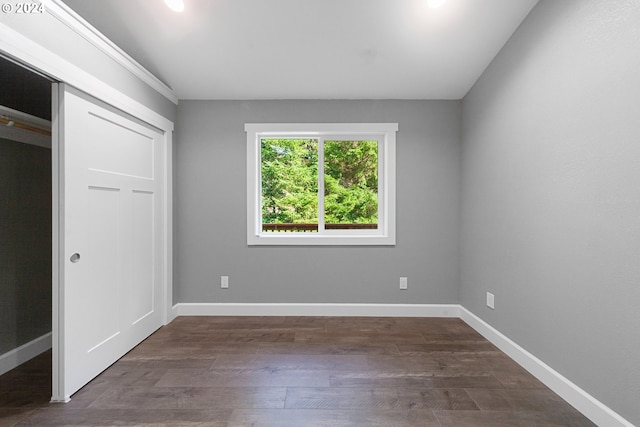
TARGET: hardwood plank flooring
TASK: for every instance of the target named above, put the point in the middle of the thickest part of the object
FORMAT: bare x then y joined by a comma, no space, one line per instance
297,372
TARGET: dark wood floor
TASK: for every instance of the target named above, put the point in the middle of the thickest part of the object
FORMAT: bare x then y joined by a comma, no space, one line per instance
297,371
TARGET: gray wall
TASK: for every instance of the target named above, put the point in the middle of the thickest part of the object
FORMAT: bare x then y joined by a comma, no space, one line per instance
25,243
210,209
551,194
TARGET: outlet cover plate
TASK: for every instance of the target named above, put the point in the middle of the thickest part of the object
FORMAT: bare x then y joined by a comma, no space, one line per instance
491,303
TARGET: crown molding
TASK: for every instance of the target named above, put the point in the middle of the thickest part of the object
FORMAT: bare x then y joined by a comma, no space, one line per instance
15,45
71,19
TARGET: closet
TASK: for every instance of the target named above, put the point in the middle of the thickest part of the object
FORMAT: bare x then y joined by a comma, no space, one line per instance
25,214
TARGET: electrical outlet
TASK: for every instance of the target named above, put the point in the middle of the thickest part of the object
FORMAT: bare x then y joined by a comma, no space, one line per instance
224,282
403,283
491,301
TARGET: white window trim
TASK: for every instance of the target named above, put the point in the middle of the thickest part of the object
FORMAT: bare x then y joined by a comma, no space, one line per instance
385,235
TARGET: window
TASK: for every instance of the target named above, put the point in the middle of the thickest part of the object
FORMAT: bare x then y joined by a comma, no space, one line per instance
321,184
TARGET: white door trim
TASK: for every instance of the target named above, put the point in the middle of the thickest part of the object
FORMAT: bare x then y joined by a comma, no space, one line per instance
34,55
57,229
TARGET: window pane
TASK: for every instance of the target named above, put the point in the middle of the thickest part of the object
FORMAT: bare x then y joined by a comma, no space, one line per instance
289,171
351,185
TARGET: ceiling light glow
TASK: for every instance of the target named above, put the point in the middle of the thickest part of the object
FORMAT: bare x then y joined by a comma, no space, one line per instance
175,5
434,4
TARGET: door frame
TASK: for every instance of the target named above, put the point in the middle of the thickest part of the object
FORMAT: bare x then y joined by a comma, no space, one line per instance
33,55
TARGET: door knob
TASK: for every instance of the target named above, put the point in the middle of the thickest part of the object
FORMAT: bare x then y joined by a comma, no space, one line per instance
75,257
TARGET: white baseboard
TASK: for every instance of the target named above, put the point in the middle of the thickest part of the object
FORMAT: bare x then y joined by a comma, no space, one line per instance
304,309
172,314
588,405
17,356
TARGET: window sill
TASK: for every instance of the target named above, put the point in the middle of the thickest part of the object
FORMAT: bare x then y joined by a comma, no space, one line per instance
321,240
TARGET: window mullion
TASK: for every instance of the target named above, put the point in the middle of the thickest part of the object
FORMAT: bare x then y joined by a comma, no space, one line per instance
382,185
321,228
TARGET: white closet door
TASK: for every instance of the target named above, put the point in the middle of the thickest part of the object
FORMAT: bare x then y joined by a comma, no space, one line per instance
112,236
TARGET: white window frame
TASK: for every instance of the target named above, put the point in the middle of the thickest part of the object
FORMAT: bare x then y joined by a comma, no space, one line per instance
385,133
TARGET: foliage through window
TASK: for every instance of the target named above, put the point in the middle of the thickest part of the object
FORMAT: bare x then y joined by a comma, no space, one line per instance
321,184
289,175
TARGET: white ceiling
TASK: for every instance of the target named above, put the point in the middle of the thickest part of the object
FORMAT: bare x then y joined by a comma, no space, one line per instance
310,49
